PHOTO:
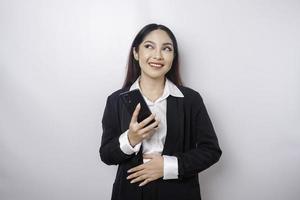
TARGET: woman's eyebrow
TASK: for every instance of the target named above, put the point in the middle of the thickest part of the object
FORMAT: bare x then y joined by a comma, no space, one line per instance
166,43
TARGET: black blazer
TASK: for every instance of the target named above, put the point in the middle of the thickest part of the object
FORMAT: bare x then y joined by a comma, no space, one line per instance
190,137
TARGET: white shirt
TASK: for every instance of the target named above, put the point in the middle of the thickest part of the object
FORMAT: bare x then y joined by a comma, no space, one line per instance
155,144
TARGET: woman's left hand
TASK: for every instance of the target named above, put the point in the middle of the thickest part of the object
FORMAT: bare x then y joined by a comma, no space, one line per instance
149,171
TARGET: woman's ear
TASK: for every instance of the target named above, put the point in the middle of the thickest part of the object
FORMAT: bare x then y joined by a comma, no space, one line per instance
135,54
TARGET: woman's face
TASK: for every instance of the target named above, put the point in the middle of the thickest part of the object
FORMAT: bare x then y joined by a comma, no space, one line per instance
155,54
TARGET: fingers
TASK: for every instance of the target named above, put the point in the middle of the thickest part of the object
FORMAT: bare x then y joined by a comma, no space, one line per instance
147,172
138,174
137,168
148,134
137,131
139,178
145,182
136,113
146,121
146,131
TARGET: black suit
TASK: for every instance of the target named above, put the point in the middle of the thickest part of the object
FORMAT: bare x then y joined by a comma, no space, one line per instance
190,137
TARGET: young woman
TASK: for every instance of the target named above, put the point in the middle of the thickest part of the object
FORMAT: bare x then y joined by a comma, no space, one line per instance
160,160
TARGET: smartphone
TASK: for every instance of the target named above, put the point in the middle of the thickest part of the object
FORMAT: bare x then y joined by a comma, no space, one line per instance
131,100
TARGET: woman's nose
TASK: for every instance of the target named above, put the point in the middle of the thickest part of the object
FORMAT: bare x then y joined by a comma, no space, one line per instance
157,54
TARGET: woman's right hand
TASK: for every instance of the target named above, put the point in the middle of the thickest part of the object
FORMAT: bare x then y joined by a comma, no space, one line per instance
137,132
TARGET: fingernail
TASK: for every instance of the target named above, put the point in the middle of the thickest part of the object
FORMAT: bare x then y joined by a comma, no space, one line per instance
132,181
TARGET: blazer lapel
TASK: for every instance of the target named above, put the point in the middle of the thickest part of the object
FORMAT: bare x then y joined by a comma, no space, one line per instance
175,125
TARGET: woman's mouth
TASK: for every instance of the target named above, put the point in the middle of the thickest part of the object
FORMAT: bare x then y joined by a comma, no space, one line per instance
156,65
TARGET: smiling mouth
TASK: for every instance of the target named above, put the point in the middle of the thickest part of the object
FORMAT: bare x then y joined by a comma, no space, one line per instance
156,65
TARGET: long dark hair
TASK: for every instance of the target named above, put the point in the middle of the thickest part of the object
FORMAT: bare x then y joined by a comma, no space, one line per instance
133,68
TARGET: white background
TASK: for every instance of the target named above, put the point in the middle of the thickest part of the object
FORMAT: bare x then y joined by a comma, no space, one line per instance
60,59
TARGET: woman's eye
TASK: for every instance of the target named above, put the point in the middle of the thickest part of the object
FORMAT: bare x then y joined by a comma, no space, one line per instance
148,46
168,48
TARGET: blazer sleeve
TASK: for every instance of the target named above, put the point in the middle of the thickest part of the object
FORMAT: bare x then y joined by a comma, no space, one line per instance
110,151
205,151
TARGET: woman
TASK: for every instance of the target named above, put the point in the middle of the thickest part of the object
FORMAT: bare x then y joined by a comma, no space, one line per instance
160,160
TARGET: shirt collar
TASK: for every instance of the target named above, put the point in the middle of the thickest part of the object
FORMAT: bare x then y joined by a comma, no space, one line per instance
170,89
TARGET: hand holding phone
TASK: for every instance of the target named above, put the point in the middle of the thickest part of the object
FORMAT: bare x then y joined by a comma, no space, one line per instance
143,123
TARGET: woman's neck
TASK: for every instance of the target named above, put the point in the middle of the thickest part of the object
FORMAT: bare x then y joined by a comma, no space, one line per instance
152,88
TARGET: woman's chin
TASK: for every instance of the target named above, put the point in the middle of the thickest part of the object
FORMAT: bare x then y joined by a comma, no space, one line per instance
155,75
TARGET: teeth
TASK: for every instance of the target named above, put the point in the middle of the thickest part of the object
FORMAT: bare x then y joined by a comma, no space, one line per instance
156,65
